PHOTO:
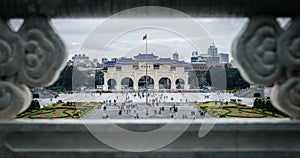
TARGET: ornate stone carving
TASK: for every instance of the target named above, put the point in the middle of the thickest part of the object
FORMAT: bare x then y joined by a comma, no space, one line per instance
44,53
267,55
13,99
32,57
10,47
255,51
286,97
289,45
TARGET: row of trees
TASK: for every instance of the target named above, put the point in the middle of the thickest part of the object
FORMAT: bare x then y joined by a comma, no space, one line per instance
35,105
230,78
266,105
64,81
71,78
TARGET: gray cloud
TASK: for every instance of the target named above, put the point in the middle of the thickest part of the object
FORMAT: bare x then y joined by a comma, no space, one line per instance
74,33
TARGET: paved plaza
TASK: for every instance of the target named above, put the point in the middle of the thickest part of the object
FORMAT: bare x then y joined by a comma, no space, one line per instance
143,111
133,105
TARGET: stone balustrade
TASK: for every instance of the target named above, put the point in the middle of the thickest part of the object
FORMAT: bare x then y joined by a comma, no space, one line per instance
265,53
228,138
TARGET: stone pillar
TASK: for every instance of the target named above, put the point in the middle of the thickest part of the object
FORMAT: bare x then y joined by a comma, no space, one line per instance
186,81
118,81
105,85
173,85
156,85
135,86
135,83
186,87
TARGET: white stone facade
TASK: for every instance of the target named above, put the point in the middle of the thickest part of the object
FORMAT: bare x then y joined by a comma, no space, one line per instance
135,69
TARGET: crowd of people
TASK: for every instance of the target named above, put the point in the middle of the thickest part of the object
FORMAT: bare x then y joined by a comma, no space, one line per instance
155,107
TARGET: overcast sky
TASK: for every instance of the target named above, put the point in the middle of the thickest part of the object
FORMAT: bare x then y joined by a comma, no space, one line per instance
115,37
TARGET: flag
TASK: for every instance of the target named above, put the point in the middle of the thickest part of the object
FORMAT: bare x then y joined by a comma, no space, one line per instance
145,37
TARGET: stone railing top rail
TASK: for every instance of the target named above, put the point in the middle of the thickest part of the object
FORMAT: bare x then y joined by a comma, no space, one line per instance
228,138
67,125
104,8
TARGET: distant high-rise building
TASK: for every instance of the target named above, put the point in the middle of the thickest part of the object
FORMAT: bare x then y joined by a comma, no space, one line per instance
81,60
211,58
212,50
233,64
175,56
70,63
114,59
104,60
194,59
224,57
213,54
195,54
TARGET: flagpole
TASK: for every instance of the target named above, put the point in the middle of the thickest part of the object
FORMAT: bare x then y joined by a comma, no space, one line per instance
146,71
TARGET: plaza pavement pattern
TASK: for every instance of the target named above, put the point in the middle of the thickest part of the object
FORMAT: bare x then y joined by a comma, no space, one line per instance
132,105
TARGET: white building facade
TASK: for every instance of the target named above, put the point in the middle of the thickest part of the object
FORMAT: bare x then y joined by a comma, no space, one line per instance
130,73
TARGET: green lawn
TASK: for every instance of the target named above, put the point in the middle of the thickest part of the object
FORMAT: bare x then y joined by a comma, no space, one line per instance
60,111
233,110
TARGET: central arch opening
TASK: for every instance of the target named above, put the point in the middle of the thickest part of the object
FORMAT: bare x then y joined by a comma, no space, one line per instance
142,82
165,83
256,95
111,84
179,83
127,83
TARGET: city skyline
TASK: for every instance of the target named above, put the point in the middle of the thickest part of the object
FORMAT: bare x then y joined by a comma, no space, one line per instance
74,33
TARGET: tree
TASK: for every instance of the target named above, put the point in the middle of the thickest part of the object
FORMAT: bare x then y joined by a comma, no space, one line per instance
35,105
71,78
99,78
193,80
269,106
234,80
256,104
64,81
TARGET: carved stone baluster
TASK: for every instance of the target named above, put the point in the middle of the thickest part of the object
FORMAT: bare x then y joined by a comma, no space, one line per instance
32,57
45,54
265,54
286,95
254,51
14,96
